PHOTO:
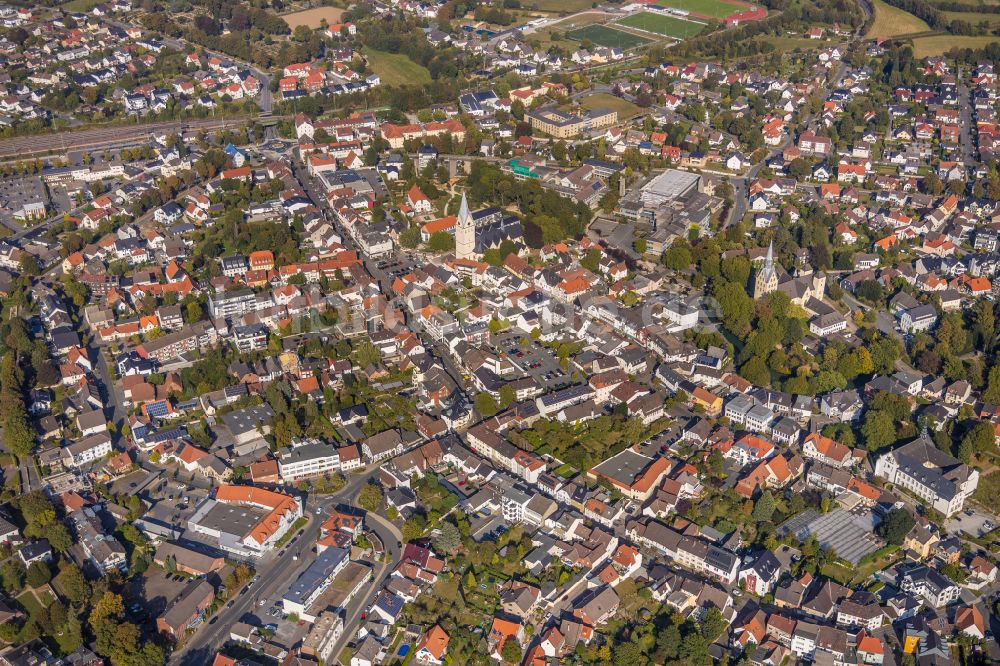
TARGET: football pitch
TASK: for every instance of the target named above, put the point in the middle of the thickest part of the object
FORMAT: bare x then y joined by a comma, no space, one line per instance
709,8
605,36
662,24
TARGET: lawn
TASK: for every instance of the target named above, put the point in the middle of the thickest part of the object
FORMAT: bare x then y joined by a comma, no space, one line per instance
396,69
671,26
709,8
625,108
30,603
602,35
891,22
941,44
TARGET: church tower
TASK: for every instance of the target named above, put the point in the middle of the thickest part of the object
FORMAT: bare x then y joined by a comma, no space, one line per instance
766,279
465,232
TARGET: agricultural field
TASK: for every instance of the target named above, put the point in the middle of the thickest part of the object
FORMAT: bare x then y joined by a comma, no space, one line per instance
709,8
602,35
313,18
625,108
892,22
941,44
396,69
661,24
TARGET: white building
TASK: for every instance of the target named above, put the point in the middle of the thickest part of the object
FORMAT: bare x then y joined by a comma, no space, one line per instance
308,460
925,471
87,450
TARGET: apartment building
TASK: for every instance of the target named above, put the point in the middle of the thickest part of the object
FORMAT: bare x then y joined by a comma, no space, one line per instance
308,460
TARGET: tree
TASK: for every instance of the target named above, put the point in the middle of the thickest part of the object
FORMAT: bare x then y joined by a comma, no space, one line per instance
192,312
677,257
59,537
896,526
414,527
713,624
410,237
980,439
73,583
763,508
992,393
12,576
448,539
878,430
511,652
370,497
507,396
486,405
441,241
38,574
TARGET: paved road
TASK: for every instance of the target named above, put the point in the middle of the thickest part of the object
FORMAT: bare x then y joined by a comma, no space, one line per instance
740,184
966,124
278,570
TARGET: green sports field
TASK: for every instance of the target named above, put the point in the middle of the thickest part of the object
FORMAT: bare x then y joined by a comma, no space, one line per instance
605,36
710,8
662,24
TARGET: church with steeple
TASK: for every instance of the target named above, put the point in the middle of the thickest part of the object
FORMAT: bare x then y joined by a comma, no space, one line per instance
465,232
766,279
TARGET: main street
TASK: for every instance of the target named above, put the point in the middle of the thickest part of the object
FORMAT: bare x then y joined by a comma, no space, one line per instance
276,572
383,279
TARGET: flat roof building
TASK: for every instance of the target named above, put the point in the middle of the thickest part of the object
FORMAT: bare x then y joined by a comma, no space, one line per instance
314,580
670,185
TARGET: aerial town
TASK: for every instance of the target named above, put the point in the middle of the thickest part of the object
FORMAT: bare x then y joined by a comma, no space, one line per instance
522,332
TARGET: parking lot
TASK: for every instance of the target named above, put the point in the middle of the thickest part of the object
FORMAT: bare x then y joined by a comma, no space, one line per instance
15,192
972,521
533,359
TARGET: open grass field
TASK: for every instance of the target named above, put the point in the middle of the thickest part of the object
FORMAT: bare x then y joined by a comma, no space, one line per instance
312,18
975,18
602,35
558,6
80,5
710,8
788,43
396,69
941,44
890,22
662,24
624,107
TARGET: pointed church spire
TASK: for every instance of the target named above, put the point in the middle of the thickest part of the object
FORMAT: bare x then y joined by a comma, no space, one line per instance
463,210
769,261
465,232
